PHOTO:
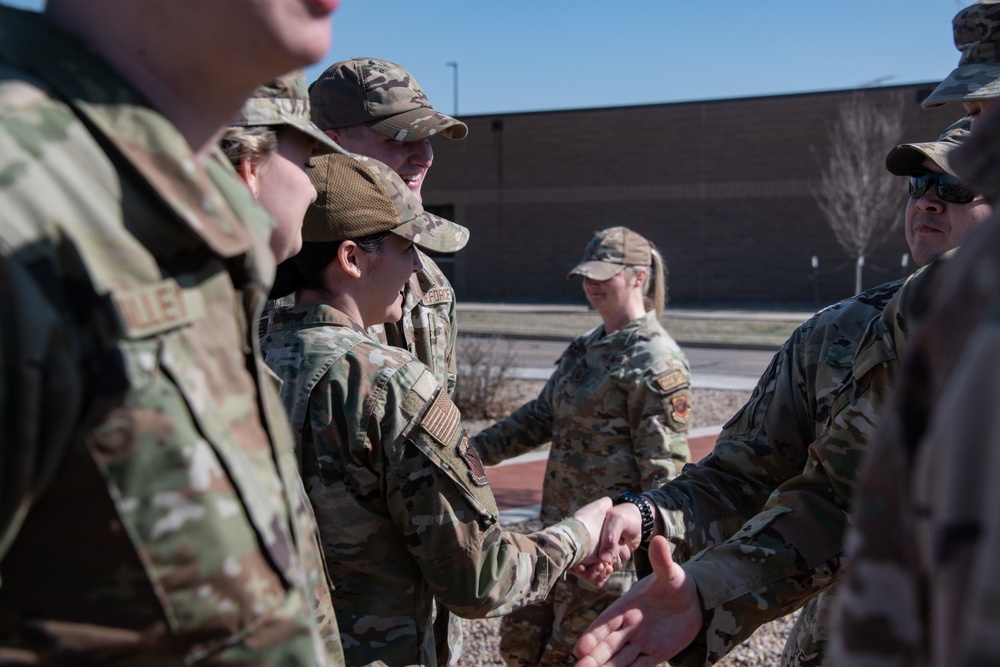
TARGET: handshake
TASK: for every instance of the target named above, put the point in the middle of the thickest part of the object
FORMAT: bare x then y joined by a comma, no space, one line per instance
615,533
658,616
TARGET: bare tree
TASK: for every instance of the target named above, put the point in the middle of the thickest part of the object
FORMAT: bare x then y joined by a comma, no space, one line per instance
858,196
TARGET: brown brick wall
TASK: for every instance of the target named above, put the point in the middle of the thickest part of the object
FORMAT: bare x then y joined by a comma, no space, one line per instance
722,187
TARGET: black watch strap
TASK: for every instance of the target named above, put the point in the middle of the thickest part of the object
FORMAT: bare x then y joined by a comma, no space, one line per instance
645,511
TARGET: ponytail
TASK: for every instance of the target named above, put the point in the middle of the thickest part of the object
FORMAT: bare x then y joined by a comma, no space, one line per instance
656,284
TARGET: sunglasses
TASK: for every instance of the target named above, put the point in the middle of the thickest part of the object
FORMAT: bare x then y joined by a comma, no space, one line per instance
949,189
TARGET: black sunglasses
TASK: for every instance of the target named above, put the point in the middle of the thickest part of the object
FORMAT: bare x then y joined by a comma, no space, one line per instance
949,189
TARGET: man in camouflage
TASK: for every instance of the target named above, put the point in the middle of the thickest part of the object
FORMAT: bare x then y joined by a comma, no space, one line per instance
976,81
616,410
147,516
922,588
759,523
405,509
376,108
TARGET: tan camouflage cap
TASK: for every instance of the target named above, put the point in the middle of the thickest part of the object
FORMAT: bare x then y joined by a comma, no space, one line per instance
905,159
381,95
977,77
610,251
358,196
285,101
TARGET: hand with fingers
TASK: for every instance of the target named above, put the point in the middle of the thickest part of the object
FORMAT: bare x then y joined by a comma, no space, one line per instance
652,622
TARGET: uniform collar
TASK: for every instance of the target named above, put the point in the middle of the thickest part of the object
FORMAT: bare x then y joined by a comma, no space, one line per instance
297,317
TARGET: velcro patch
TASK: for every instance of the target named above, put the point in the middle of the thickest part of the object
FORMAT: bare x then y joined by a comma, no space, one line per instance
442,419
671,381
151,309
469,454
436,295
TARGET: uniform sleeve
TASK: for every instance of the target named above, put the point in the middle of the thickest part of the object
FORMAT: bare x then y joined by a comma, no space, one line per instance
40,393
442,500
659,413
762,446
527,428
792,549
922,586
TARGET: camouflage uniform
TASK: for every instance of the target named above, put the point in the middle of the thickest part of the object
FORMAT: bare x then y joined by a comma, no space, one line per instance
617,410
922,588
403,502
763,478
429,327
386,98
146,516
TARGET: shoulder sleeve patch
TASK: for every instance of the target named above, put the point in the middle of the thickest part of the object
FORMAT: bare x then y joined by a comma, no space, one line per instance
680,407
442,419
477,471
671,381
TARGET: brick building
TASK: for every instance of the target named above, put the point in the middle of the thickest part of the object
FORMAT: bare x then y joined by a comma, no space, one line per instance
723,187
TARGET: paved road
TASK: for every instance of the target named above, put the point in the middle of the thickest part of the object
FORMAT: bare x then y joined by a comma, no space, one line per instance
711,368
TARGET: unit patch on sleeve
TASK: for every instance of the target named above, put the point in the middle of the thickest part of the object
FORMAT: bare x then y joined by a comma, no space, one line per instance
681,407
477,471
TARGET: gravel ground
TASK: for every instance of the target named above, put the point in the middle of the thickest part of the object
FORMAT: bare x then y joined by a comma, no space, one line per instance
709,407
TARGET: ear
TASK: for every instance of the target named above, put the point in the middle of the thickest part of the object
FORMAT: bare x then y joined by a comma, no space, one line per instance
351,259
250,173
336,136
640,276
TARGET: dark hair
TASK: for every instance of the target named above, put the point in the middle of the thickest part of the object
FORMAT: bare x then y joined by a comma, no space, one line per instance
305,270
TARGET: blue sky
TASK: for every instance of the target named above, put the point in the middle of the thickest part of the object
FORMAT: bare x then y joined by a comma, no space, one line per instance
530,55
527,55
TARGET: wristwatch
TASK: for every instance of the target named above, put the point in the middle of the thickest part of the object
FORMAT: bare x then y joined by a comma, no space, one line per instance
645,511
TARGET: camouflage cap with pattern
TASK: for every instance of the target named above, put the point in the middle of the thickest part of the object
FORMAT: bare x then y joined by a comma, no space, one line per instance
905,159
610,251
381,95
285,101
977,77
358,196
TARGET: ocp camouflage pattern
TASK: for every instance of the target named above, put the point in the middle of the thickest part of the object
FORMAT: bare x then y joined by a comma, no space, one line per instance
428,328
617,411
922,585
404,505
147,511
744,519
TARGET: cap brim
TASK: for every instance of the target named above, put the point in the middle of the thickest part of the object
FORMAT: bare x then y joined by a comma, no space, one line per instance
324,144
905,159
418,124
434,233
596,270
966,83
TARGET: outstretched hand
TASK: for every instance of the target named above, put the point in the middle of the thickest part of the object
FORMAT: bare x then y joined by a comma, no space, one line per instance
651,623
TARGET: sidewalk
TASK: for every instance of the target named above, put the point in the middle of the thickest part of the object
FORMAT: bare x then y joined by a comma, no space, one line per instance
691,327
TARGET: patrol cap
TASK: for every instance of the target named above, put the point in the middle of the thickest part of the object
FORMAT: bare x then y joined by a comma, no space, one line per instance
358,196
977,77
905,159
610,251
381,95
285,101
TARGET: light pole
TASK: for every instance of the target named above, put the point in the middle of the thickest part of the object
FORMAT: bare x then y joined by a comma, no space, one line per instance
455,82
